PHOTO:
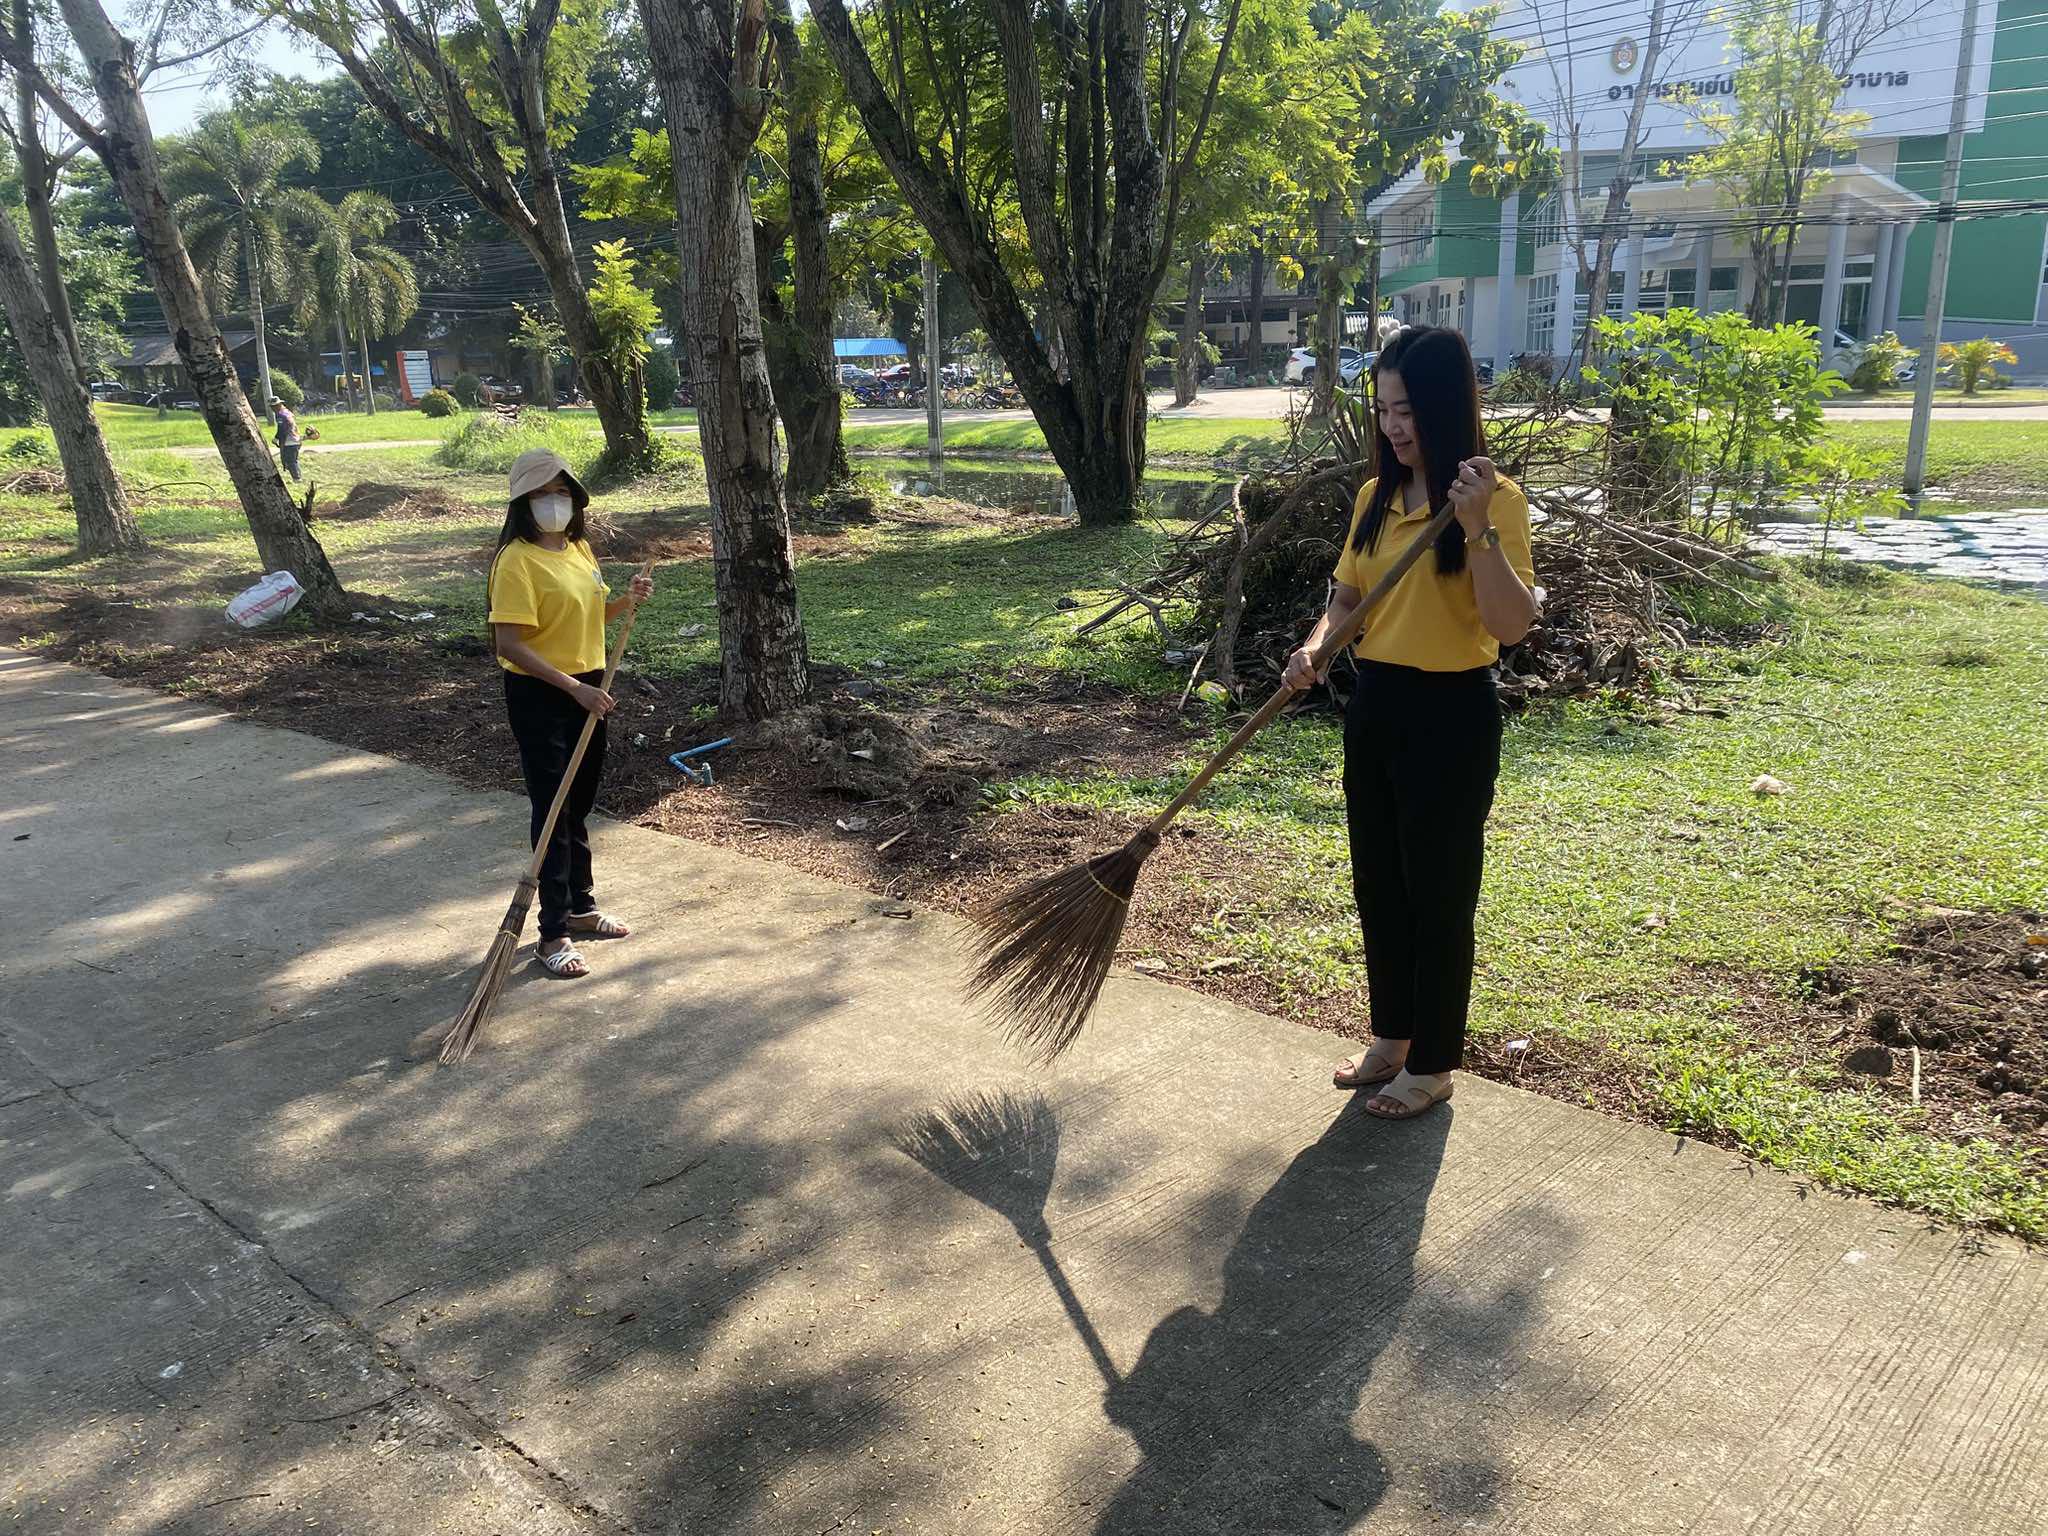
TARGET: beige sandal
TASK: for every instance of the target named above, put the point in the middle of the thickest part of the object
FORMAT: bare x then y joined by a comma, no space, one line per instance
1414,1094
1351,1072
565,964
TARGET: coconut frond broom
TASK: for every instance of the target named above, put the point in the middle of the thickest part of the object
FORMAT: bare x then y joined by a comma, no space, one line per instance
461,1037
1042,951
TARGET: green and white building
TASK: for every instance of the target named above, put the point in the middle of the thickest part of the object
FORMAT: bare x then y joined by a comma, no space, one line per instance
1505,273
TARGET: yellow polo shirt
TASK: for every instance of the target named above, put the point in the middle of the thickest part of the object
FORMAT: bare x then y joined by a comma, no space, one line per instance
1430,622
556,594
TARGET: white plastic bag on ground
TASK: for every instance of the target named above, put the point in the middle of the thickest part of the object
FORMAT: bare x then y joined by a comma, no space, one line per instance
275,595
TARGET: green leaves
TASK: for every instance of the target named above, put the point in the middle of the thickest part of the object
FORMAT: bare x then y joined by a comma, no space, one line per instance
625,312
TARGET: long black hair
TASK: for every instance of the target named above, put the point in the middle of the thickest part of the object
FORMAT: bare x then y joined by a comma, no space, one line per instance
519,524
1436,368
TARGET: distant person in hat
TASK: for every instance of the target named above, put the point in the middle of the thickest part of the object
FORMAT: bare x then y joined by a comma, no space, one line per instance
287,436
548,608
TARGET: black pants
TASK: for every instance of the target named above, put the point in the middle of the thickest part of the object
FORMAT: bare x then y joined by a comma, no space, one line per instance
288,453
1421,750
546,723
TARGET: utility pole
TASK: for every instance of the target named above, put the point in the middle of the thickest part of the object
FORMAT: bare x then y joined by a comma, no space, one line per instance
1944,243
934,419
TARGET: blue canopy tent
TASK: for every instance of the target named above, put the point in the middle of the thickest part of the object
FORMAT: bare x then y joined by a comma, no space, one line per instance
847,347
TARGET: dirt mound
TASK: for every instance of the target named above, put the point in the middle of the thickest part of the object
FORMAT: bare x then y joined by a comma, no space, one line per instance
1969,991
35,482
685,535
871,755
377,498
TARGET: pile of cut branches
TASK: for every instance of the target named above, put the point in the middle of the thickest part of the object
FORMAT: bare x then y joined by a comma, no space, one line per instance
1253,570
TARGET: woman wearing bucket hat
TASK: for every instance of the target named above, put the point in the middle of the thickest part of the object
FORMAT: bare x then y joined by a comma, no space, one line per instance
549,606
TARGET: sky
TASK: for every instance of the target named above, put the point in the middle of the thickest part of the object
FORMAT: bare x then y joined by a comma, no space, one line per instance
179,99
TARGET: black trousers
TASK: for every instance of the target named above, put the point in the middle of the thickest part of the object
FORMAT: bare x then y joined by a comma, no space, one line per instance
288,454
546,723
1421,751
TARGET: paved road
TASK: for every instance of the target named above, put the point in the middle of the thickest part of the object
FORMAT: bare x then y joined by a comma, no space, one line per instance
677,1252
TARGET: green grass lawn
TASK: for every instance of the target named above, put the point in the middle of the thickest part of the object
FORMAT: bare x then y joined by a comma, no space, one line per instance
1949,394
1909,784
1989,453
1913,779
1225,438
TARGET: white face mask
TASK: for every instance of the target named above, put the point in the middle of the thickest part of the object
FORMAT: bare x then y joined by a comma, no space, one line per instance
552,511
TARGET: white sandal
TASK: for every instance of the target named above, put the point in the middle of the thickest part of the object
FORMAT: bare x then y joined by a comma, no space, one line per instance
560,962
602,925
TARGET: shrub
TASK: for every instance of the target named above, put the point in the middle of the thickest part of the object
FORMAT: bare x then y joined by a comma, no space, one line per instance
32,450
1878,364
488,444
663,378
438,402
468,389
1974,362
286,388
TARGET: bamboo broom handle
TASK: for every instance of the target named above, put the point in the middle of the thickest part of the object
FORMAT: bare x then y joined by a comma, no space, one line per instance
611,669
1335,641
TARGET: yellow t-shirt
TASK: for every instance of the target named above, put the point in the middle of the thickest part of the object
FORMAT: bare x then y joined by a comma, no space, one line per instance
1430,622
556,594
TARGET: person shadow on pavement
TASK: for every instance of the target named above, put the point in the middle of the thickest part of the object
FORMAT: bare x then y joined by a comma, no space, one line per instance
1243,1415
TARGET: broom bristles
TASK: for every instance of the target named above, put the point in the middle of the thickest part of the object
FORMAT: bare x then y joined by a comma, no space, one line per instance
1043,950
461,1037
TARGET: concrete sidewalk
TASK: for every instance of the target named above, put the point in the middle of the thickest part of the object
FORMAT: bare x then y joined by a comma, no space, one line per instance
681,1252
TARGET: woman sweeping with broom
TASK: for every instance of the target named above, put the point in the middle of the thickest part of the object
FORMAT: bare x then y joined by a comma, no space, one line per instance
1422,734
549,606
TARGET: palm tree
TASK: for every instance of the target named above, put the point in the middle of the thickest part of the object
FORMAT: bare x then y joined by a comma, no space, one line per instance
363,286
235,212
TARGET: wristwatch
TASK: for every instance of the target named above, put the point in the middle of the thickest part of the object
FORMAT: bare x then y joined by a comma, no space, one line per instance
1489,536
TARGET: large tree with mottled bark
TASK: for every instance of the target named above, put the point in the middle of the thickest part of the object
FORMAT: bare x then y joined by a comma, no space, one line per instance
491,92
122,140
1420,79
106,525
1073,115
715,63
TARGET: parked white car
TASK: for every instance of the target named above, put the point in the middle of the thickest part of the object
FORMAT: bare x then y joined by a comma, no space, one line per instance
1301,365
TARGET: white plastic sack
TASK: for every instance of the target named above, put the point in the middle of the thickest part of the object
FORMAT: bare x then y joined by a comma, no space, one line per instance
275,595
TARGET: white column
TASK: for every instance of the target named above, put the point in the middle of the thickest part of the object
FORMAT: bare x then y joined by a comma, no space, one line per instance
1504,347
1562,334
1880,282
1632,274
1831,279
1897,285
1703,271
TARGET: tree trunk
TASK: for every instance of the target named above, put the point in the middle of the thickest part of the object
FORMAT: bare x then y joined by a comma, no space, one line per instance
1255,313
1613,218
763,665
249,257
1187,364
369,380
344,390
105,523
283,540
810,413
38,182
1330,285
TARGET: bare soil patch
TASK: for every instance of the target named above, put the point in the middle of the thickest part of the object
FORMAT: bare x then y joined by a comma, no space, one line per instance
884,785
377,498
1967,992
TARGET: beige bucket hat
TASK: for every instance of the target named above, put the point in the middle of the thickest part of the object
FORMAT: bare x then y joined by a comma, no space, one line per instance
537,466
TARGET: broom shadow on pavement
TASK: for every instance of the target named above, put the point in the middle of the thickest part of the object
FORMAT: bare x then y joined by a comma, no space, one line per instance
1002,1150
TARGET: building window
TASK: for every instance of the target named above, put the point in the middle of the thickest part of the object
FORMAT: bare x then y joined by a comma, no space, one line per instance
1542,327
